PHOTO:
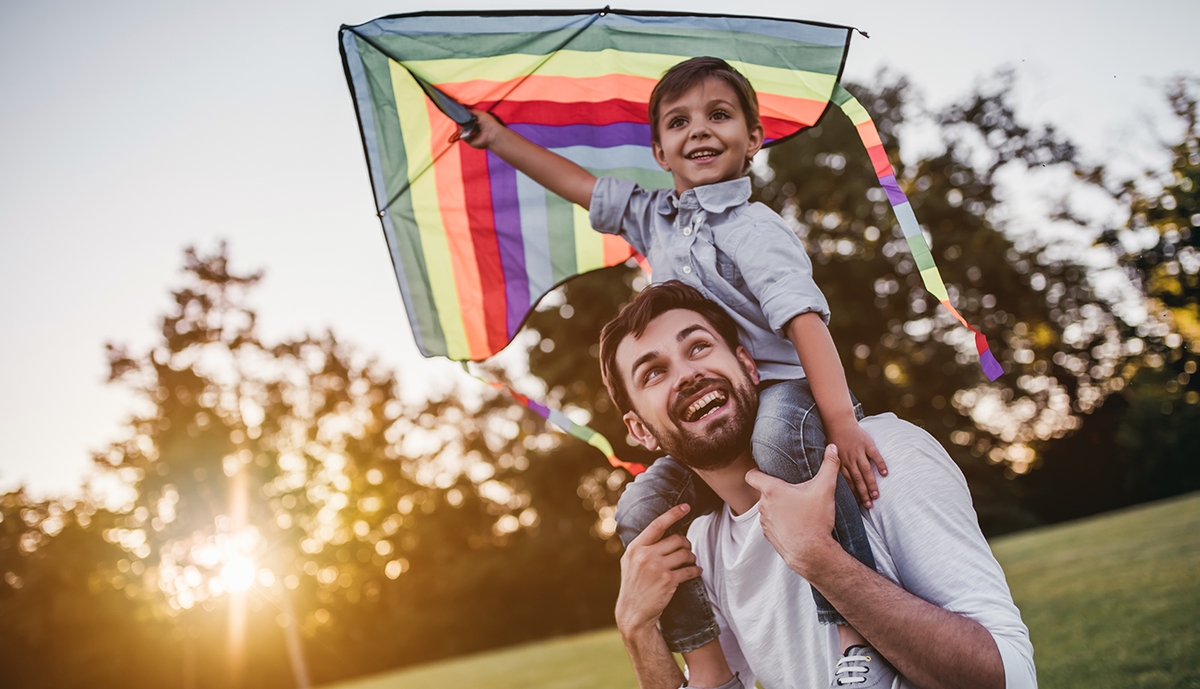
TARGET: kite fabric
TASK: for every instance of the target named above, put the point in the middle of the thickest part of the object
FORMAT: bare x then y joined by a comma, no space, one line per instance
476,244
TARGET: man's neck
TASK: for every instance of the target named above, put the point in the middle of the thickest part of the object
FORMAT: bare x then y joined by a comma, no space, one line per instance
730,483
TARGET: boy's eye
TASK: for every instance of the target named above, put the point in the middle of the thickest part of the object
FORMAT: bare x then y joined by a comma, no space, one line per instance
676,122
720,115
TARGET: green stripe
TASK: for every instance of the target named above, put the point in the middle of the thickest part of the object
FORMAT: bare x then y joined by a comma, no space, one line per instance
589,244
646,179
395,172
750,48
560,216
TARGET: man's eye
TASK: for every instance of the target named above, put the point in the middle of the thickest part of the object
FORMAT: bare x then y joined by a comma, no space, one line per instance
650,375
700,347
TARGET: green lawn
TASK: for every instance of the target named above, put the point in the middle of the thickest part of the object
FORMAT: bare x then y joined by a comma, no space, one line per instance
1111,602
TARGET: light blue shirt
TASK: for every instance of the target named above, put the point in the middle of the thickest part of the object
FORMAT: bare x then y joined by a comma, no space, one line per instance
741,255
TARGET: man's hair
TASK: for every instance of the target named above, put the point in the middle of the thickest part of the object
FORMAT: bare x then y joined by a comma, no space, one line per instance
683,76
633,320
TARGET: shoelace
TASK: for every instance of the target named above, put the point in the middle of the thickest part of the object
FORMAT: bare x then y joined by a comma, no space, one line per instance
844,666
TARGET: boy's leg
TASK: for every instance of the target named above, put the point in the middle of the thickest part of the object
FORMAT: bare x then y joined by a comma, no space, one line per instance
789,443
688,621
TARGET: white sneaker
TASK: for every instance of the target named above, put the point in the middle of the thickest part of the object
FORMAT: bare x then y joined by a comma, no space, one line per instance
863,668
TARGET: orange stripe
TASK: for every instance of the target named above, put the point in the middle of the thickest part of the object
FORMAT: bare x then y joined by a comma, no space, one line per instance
448,175
802,110
616,250
553,89
598,89
954,312
869,134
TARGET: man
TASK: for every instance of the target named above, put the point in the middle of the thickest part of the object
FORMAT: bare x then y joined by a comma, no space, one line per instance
955,626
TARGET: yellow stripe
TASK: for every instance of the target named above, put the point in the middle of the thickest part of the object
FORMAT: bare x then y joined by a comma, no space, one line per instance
855,111
933,282
418,147
582,64
589,244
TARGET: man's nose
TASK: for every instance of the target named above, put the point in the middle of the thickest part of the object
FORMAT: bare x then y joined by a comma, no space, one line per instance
688,373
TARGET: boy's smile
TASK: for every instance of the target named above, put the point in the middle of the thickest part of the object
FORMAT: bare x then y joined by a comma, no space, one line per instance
703,137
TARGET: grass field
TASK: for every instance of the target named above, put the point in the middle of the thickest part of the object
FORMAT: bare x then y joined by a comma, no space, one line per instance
1111,603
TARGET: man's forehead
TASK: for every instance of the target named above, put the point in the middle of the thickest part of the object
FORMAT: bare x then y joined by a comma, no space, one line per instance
663,332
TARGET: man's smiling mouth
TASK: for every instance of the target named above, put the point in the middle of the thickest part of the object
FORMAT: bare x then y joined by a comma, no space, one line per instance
705,405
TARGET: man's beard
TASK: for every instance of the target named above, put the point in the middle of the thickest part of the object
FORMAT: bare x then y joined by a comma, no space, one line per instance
724,440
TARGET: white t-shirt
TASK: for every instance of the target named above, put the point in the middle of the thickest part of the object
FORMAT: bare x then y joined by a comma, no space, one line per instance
925,537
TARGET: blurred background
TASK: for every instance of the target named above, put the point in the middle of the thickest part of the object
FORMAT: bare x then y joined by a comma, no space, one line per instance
226,465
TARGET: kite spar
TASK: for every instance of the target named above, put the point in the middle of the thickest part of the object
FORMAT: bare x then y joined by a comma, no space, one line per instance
476,244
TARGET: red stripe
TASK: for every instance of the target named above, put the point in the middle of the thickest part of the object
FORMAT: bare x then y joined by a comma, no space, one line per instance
880,160
487,249
558,114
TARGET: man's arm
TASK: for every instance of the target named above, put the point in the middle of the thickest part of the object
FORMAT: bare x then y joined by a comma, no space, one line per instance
932,647
651,569
547,168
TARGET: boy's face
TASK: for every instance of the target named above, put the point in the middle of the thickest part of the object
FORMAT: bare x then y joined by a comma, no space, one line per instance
703,137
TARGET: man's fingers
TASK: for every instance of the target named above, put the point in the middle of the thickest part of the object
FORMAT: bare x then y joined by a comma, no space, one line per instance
654,532
685,573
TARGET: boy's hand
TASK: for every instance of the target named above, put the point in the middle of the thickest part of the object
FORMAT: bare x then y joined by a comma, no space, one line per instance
483,133
857,452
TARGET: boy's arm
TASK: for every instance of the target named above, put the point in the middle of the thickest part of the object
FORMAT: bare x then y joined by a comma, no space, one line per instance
821,363
548,169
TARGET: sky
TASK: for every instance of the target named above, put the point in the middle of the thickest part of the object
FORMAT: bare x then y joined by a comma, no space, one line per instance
130,130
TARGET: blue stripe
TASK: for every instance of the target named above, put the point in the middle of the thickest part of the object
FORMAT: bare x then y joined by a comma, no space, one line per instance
536,236
834,36
459,24
610,158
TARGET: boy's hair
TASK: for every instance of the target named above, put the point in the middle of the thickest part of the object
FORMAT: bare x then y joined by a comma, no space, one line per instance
636,317
683,76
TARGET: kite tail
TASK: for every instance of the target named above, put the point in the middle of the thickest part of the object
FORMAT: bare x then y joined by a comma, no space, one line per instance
908,221
566,425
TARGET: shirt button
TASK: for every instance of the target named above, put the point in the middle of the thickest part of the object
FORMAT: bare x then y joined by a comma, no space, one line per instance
687,270
687,231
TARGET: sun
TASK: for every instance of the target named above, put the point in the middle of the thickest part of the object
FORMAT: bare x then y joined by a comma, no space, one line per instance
238,574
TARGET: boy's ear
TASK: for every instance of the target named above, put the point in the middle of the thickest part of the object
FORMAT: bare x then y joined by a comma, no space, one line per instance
639,431
660,157
757,136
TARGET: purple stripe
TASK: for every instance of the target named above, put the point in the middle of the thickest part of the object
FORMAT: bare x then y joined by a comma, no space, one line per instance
896,196
507,216
597,136
991,367
541,409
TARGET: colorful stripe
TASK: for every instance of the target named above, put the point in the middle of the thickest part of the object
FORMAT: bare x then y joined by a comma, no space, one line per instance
923,257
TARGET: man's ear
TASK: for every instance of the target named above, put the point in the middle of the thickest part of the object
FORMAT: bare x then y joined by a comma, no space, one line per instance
661,157
639,431
747,363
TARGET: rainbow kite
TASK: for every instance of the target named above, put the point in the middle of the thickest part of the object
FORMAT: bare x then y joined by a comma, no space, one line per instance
475,244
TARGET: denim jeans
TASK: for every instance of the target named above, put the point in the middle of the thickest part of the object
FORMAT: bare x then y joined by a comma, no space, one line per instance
787,420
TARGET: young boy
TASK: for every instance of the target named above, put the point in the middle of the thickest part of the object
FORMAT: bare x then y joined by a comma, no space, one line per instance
705,129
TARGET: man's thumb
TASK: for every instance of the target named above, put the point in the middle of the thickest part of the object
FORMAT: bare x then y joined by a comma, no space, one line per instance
760,481
829,466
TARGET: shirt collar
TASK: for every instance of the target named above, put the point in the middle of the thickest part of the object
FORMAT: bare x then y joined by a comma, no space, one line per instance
714,198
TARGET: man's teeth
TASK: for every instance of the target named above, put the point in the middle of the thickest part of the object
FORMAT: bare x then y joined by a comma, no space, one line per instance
714,396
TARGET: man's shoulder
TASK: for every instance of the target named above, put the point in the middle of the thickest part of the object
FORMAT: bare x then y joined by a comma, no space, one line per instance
916,460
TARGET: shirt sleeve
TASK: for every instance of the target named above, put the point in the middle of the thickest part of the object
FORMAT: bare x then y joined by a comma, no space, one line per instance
623,208
928,526
780,278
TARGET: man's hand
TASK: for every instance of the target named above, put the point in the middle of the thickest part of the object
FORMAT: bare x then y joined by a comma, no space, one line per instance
798,519
653,566
856,452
